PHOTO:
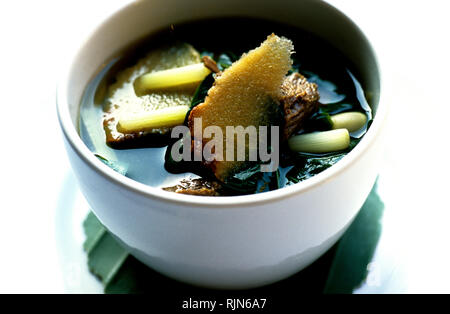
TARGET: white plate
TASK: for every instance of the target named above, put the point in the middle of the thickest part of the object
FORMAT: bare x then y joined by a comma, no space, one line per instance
383,274
70,214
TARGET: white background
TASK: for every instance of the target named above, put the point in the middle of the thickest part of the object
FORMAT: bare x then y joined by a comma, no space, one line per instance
40,206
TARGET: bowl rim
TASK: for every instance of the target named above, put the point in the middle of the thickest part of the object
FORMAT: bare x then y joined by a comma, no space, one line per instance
73,139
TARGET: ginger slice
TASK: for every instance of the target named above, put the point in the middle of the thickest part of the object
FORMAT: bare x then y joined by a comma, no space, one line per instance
245,94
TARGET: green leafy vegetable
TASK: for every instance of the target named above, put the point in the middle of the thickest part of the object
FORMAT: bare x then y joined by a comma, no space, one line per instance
114,165
245,181
225,60
181,166
340,107
206,53
301,166
319,121
199,97
252,180
311,167
353,142
202,91
269,181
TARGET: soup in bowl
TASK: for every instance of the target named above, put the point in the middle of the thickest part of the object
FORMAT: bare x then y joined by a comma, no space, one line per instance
146,108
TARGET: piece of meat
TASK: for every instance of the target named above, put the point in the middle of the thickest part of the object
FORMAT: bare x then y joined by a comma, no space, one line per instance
299,100
201,187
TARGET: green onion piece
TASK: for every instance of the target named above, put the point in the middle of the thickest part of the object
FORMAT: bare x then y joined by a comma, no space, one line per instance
166,117
352,121
320,142
190,74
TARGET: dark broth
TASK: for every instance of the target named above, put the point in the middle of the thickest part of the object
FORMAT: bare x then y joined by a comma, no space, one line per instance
314,58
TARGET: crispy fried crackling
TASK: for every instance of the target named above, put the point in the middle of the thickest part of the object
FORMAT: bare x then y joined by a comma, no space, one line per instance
244,94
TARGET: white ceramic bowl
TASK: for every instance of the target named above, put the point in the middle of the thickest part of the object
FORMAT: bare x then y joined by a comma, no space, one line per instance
230,242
